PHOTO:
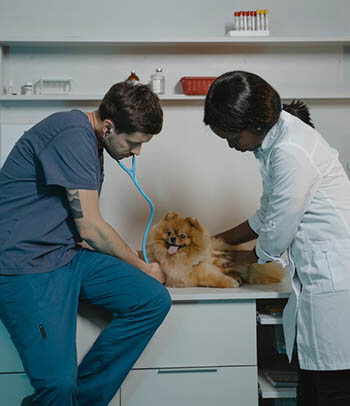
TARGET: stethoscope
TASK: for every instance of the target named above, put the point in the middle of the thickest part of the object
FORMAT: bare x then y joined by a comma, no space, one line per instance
132,173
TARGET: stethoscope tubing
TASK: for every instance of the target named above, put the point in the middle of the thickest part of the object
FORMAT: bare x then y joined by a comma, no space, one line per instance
132,173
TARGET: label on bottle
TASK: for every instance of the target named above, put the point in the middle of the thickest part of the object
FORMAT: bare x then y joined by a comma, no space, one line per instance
157,85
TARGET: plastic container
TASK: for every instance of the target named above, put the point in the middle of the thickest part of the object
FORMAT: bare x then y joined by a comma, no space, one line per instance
53,85
196,84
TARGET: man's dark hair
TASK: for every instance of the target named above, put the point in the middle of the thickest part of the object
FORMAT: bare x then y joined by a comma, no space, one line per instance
239,101
132,108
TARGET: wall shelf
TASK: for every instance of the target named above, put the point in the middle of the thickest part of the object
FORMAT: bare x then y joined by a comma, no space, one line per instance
86,97
205,41
325,51
170,97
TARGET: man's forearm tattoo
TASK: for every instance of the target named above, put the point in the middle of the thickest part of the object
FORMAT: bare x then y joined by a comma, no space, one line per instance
74,202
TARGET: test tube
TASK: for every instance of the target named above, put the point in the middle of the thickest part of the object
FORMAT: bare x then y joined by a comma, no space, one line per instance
249,22
252,20
236,14
266,15
259,19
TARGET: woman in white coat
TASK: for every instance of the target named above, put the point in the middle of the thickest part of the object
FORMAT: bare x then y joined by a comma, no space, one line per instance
304,210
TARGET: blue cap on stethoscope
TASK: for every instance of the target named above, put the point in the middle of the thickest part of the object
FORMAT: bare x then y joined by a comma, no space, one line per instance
132,173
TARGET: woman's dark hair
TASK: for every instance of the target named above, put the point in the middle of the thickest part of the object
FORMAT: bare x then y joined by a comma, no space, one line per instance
239,100
300,110
132,108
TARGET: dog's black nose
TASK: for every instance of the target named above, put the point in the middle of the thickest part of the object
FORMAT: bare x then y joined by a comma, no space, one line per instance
173,239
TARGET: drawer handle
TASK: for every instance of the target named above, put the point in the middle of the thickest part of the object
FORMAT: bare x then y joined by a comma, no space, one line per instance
185,371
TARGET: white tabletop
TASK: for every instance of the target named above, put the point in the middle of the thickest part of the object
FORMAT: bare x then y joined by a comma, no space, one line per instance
246,291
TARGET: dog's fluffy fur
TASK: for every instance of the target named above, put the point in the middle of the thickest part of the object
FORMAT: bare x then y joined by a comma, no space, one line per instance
184,249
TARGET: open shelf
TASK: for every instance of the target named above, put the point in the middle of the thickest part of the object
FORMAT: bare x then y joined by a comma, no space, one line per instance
263,318
268,391
169,97
190,41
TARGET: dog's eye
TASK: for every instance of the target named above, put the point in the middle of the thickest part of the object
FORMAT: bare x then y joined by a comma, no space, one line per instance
183,236
169,233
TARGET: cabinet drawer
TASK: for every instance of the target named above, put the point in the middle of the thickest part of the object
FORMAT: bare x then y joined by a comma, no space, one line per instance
14,388
204,334
9,359
188,387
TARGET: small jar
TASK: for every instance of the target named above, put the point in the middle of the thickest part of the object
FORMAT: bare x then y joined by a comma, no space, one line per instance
27,89
158,81
11,89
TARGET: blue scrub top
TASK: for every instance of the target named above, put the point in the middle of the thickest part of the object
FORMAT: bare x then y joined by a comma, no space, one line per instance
37,231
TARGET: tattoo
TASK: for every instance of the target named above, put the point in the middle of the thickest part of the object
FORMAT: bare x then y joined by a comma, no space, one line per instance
74,202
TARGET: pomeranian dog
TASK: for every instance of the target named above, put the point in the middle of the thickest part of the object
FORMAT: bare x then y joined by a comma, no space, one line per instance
184,249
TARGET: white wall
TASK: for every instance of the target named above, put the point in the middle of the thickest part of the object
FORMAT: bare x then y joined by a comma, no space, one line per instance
155,18
188,169
185,168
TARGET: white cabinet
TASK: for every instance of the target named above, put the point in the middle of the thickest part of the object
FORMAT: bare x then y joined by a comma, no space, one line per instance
204,334
203,354
191,387
9,358
14,388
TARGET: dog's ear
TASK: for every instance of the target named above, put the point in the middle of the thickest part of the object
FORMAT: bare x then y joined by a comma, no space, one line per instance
171,215
194,222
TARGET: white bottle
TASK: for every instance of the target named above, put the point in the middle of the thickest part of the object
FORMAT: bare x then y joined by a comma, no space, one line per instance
158,81
27,89
11,88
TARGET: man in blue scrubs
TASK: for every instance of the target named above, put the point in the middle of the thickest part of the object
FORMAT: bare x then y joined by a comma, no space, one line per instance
49,189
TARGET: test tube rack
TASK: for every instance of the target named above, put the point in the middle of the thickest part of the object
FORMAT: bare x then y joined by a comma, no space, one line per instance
250,23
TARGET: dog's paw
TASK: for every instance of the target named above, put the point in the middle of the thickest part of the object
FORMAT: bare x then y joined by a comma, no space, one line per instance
236,283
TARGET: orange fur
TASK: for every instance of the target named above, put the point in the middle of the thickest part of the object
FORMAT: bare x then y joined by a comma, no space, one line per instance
192,262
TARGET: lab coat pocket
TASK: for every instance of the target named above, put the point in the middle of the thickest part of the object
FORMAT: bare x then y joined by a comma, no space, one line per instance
314,273
338,261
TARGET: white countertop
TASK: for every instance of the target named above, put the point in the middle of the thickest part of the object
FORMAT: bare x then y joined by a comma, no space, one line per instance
246,291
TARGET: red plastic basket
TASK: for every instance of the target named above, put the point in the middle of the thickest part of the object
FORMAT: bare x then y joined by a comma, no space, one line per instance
196,84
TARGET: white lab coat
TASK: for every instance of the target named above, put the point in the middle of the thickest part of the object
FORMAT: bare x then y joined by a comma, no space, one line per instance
305,209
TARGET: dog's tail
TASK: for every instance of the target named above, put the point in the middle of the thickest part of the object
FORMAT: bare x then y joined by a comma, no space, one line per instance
262,274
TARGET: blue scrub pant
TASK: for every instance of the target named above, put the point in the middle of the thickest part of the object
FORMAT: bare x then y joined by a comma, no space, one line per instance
40,313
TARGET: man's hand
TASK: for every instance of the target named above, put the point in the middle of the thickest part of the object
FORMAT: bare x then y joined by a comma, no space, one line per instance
155,270
231,257
140,254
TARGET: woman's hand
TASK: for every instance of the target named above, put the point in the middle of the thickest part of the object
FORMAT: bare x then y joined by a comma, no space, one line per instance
230,258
